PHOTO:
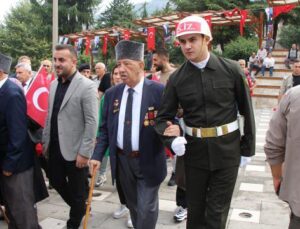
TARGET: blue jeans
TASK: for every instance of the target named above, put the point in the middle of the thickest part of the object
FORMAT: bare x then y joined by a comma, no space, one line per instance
263,69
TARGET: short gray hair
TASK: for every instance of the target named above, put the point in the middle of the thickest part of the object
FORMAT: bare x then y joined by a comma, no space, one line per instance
27,67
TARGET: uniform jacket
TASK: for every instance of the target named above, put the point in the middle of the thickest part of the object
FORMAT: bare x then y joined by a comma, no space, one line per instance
282,145
16,149
210,97
152,157
77,118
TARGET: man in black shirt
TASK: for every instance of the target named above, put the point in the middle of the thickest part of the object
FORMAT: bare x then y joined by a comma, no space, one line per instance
211,92
102,79
70,132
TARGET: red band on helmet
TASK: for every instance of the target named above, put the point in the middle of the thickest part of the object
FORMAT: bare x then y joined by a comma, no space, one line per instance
190,27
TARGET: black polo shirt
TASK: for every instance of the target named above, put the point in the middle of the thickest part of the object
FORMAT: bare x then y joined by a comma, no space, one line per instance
60,93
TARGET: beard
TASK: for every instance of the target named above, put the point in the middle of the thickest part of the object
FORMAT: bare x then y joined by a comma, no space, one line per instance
159,67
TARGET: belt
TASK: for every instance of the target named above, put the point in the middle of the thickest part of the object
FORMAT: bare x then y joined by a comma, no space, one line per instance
212,131
133,154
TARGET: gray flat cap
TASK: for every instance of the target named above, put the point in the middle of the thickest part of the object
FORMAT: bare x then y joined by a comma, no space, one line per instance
5,63
132,50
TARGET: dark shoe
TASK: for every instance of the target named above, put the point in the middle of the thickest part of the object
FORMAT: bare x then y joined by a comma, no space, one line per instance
172,180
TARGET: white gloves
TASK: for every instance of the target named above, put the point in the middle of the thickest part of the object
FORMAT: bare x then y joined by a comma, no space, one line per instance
178,146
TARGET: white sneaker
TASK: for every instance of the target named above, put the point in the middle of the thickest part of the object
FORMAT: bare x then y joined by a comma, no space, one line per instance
120,212
100,181
129,222
180,214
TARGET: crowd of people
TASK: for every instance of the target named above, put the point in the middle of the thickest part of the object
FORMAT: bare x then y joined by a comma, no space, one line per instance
134,121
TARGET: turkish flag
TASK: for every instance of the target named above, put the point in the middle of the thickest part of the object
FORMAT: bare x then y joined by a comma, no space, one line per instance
208,20
87,45
244,15
126,34
277,10
37,96
151,38
104,47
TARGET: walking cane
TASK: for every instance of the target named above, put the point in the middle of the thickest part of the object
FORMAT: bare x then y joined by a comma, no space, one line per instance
4,215
89,200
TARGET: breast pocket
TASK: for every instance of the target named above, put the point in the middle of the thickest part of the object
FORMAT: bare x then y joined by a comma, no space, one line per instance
223,89
187,97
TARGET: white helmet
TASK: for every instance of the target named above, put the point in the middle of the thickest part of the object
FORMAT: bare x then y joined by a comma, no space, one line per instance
192,25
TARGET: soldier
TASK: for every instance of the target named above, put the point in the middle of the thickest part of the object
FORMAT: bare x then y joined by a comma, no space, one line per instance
211,91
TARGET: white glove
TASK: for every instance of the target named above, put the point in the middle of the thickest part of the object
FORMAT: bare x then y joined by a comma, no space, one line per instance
178,146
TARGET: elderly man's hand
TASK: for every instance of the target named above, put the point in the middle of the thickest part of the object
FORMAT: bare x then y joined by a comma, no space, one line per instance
81,161
172,130
94,163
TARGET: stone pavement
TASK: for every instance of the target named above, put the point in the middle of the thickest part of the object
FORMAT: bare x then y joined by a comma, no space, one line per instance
254,204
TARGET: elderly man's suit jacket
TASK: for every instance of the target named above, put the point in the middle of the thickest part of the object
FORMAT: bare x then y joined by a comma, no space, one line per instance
152,156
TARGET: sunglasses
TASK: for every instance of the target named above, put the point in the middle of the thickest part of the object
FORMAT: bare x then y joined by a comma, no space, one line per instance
46,66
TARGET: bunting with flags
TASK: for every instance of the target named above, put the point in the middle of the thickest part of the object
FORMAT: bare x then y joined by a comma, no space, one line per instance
105,42
277,10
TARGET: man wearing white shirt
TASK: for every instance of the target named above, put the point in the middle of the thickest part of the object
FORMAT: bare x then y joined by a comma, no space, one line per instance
24,75
136,153
269,63
261,54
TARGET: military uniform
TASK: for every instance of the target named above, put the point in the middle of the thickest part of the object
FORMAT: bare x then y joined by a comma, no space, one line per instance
210,97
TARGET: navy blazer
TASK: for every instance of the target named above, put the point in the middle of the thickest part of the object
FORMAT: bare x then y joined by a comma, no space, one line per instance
152,156
16,149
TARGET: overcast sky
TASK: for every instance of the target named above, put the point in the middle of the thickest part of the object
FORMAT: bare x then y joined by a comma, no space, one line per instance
7,4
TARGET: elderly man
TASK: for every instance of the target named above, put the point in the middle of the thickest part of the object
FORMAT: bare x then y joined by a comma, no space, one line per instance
70,132
24,75
102,79
136,153
282,150
211,91
16,154
47,64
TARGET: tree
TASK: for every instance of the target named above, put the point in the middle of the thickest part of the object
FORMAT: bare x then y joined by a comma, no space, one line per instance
289,35
73,14
18,37
118,13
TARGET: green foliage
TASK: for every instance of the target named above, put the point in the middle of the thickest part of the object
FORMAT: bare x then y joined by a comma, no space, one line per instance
82,59
289,35
18,37
118,13
240,48
202,5
73,14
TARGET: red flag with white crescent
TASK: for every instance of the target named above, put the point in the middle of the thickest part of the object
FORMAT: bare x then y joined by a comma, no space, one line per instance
244,15
37,96
208,20
126,34
151,38
87,46
105,42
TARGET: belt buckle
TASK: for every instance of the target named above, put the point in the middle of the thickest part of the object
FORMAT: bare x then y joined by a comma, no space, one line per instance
224,129
208,132
194,132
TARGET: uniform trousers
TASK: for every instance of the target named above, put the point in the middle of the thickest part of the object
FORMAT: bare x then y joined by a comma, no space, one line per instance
70,182
208,196
141,199
18,195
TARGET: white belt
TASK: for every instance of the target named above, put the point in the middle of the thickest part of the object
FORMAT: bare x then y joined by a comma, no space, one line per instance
212,131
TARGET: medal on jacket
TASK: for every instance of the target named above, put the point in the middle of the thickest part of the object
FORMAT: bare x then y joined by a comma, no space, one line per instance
116,106
151,115
146,120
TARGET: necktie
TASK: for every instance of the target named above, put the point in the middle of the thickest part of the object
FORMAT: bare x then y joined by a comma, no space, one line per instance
127,146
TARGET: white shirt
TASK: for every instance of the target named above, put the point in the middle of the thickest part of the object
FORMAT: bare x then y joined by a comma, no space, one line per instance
261,54
136,113
202,63
269,62
27,84
3,81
